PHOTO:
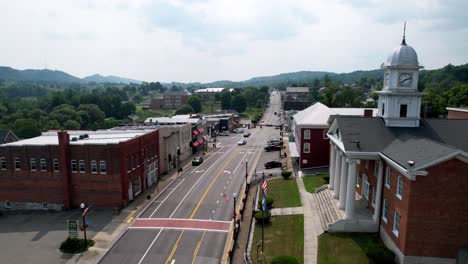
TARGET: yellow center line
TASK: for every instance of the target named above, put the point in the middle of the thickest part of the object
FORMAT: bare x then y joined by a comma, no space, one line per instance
198,247
174,248
196,209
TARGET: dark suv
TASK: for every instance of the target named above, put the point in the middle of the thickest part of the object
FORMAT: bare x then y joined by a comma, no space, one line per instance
271,147
273,164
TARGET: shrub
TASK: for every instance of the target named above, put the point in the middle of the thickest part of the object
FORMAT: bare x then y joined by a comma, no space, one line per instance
327,179
269,202
75,245
286,174
259,216
284,260
380,255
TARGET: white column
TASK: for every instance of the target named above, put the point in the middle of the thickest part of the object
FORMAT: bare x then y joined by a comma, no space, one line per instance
378,193
336,193
343,184
332,166
350,192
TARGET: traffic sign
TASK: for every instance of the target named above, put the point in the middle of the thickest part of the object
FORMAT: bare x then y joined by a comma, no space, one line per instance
72,226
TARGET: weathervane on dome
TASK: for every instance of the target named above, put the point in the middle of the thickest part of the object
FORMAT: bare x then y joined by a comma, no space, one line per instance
404,33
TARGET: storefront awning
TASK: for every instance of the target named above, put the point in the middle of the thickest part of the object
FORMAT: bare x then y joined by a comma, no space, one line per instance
200,140
293,150
195,143
195,132
201,130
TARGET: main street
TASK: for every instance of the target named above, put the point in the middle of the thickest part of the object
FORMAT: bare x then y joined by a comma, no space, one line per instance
190,221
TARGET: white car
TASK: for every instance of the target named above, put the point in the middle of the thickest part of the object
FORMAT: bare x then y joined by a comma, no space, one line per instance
242,142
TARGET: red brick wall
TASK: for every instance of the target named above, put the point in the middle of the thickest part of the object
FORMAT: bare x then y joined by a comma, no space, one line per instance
438,216
319,148
369,171
457,114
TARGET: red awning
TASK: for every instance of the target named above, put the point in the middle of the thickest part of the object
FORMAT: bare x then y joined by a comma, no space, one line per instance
200,140
195,132
195,143
201,130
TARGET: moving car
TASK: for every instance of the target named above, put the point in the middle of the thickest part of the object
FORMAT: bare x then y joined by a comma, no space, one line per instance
247,134
197,161
273,164
271,147
224,133
242,142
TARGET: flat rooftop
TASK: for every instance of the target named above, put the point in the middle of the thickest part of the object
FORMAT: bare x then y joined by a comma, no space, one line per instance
100,137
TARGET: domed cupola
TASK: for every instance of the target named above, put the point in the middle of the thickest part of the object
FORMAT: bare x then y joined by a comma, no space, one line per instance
400,101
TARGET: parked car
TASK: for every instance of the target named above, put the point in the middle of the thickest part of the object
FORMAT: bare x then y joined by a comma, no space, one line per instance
273,164
271,147
197,161
275,141
247,134
242,142
224,133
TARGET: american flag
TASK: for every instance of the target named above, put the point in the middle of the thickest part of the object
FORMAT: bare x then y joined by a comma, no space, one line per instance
264,185
264,188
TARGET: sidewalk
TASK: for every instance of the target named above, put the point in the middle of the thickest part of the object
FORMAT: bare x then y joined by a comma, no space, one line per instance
105,239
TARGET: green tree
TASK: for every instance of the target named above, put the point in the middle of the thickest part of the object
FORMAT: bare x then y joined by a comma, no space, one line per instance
238,103
195,102
72,125
26,128
225,99
184,109
89,115
137,98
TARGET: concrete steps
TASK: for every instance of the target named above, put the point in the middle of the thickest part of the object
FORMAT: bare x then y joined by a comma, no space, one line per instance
326,206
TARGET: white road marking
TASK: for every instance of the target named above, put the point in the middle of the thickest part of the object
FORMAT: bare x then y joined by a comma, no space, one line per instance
212,212
173,261
217,202
198,171
146,252
166,198
226,171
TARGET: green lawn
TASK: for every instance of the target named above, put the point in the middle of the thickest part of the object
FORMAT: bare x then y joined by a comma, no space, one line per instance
347,248
284,236
284,192
311,182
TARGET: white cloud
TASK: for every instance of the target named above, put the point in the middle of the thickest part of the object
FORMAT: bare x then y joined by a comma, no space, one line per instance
185,40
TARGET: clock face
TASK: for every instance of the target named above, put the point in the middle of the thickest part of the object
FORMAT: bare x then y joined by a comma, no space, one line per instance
405,79
387,78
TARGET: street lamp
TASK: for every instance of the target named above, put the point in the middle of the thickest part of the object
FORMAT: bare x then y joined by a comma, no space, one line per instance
234,214
246,173
83,213
178,159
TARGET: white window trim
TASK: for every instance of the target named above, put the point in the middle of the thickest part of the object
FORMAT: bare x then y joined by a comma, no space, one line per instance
17,160
367,164
325,136
45,162
399,181
373,197
305,148
388,175
100,167
3,161
396,232
95,166
76,166
376,168
31,161
56,161
307,134
82,162
385,205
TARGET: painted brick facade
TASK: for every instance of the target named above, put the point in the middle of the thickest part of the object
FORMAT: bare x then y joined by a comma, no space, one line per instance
319,150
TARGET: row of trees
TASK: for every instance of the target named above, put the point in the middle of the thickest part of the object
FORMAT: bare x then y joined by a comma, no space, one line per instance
240,99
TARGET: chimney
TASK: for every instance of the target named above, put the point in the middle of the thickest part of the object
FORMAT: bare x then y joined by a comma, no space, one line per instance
368,112
64,157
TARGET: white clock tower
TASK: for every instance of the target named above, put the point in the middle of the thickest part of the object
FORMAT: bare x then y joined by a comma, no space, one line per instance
399,100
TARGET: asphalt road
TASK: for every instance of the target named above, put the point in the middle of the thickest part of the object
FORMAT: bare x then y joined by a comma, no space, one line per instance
190,220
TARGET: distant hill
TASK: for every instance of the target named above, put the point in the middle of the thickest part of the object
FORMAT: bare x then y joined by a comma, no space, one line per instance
97,78
10,74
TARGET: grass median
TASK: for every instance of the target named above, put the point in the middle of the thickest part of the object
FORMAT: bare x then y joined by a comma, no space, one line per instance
284,236
284,192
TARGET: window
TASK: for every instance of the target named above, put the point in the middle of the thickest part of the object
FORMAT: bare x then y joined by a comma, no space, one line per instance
32,164
7,204
93,166
304,161
2,163
325,136
82,166
43,165
396,223
56,165
376,168
367,164
44,206
383,109
365,186
387,177
102,167
306,147
403,110
358,181
399,190
373,197
17,164
307,134
385,210
74,167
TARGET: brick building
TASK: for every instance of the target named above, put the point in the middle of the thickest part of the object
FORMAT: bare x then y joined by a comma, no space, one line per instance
457,113
310,143
170,100
400,175
59,170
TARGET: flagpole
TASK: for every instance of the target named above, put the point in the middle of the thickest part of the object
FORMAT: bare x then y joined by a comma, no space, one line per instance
263,210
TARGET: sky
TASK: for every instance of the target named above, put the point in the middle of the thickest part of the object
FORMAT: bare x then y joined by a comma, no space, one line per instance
209,40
